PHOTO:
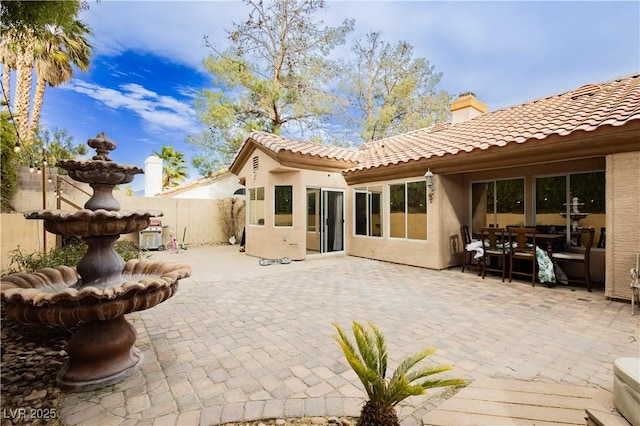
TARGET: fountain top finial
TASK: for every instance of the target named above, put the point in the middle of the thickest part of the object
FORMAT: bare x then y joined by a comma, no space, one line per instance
102,145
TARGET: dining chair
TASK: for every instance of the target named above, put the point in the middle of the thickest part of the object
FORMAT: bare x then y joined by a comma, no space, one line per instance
493,241
468,259
582,257
602,242
522,242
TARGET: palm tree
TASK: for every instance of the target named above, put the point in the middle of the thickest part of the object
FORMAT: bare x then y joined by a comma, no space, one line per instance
369,362
173,170
24,69
56,50
8,59
24,26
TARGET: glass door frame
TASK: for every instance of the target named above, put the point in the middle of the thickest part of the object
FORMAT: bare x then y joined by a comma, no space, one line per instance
322,215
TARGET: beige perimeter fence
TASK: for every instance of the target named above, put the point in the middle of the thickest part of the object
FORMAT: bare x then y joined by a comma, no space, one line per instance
201,222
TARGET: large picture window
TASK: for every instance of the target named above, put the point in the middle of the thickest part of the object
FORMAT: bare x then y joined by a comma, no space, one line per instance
408,210
256,206
498,203
283,206
555,197
368,211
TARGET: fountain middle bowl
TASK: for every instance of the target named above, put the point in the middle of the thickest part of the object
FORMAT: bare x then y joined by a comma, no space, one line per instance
92,223
47,297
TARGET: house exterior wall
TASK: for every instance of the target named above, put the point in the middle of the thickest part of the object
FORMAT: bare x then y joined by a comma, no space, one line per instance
268,240
623,221
423,253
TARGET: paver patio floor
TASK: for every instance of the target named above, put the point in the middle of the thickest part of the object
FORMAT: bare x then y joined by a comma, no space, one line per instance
241,341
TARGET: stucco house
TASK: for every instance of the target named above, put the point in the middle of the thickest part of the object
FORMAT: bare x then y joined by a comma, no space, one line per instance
520,165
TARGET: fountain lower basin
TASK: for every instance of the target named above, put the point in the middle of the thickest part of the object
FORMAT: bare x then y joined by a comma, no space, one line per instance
102,351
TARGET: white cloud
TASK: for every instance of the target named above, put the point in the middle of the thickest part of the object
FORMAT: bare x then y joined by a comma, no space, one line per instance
159,113
503,49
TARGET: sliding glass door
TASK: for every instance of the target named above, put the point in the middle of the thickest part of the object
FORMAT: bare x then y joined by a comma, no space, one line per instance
325,221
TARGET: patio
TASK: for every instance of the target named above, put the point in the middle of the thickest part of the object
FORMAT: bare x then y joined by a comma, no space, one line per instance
241,341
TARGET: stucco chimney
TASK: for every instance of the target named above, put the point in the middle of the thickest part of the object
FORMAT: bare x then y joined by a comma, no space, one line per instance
466,107
152,176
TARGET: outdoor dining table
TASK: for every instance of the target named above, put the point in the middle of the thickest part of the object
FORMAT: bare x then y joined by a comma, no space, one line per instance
546,268
548,239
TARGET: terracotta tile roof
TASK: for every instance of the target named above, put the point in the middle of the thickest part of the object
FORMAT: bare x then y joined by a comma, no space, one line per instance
277,144
586,108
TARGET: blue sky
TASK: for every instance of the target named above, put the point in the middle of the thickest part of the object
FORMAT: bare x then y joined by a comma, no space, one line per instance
147,63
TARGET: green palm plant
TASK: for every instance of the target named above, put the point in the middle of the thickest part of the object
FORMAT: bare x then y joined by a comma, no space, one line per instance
368,358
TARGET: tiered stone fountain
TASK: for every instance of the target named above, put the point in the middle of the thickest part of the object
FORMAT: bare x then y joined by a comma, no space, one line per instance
575,215
103,288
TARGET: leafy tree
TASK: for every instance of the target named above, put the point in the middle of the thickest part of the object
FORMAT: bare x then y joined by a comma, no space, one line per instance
270,77
174,170
8,165
55,144
389,91
368,359
26,26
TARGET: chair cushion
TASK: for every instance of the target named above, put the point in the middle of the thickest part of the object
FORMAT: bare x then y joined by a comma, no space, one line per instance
523,255
565,255
498,252
626,388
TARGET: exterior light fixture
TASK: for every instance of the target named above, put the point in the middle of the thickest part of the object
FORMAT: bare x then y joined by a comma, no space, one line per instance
431,186
17,147
31,168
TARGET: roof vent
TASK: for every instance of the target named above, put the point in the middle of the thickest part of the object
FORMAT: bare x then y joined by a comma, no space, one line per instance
256,162
586,90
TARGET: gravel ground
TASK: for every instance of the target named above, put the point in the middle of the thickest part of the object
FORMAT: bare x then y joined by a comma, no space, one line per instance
30,358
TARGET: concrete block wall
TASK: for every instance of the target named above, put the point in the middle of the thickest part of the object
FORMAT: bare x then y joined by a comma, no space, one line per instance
207,222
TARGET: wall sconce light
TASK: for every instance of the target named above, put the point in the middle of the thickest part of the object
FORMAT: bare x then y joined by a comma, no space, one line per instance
253,175
431,186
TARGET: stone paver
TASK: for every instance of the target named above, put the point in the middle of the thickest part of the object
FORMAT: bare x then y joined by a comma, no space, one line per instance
241,341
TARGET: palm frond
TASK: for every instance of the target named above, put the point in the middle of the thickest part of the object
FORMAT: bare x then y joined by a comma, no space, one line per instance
367,376
424,371
382,350
410,361
429,384
366,346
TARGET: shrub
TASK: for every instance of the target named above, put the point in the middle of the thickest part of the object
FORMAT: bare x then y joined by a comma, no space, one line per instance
69,255
369,362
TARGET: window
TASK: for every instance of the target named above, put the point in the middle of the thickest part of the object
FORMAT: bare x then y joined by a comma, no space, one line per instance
283,206
408,210
368,211
497,203
256,206
555,195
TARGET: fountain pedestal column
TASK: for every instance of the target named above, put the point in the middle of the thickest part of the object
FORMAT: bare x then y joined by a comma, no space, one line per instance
100,353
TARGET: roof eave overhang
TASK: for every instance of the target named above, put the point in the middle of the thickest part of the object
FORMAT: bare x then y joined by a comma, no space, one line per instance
579,144
291,159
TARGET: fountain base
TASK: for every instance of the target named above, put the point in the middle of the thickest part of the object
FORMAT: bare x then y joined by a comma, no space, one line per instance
101,353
